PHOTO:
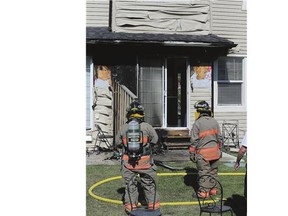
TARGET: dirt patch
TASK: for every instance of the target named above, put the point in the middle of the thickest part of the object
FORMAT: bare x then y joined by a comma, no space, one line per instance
102,158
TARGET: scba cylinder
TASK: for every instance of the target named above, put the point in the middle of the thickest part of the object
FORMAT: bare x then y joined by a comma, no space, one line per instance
134,136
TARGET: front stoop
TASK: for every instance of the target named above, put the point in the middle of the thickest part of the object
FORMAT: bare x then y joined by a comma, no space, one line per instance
175,139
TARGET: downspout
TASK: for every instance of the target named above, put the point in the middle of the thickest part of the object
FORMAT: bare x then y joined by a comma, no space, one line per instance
113,88
210,14
212,65
110,16
114,116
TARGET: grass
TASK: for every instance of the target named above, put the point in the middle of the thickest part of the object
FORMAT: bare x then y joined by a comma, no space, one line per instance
170,189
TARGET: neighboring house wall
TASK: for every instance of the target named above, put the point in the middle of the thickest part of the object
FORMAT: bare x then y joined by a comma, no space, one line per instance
161,16
229,20
97,13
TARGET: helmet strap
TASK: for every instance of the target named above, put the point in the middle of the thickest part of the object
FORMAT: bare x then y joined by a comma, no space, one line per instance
206,113
196,115
135,116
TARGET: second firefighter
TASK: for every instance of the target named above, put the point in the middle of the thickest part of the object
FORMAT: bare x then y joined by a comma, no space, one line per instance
206,141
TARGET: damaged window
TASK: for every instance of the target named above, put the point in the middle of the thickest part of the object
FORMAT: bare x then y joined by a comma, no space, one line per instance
123,72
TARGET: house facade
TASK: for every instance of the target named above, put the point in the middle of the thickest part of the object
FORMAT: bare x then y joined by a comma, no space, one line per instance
167,54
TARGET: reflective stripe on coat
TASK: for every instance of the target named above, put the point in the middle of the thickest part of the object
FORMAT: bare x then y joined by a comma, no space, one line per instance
144,162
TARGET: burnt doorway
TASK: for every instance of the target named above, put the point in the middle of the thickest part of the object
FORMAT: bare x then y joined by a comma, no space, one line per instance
176,92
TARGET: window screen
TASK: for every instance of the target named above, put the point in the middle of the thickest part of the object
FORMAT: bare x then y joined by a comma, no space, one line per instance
150,90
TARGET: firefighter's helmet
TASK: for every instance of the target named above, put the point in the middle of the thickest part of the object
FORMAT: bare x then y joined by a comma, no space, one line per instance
135,108
201,106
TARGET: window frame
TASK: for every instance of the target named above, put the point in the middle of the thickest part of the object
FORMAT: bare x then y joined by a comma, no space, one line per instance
231,108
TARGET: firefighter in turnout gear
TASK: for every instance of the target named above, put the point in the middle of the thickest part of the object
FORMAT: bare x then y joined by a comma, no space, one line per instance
135,138
206,141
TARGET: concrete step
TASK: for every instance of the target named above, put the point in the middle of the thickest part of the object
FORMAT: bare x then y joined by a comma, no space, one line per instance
176,145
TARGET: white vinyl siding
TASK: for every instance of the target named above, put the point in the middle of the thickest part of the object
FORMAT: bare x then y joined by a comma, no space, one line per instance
229,20
97,13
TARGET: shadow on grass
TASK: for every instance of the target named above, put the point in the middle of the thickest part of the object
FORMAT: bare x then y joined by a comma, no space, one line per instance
191,178
238,204
121,191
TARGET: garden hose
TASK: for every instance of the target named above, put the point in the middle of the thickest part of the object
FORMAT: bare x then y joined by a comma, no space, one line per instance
90,190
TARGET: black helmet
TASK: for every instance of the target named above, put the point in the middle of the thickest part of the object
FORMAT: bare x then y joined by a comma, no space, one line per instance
135,107
202,106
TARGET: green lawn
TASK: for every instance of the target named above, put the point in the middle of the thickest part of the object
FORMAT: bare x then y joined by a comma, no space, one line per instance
170,188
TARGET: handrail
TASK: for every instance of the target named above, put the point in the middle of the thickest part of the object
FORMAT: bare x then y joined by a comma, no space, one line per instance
122,98
131,94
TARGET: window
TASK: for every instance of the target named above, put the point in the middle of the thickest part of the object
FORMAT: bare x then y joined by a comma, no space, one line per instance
230,85
89,87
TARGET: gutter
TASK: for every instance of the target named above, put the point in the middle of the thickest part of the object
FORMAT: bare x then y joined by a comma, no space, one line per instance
110,16
164,43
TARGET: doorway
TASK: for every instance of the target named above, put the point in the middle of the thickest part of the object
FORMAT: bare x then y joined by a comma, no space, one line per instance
162,90
176,88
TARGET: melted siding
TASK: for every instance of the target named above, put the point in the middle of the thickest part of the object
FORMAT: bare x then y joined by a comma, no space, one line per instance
161,16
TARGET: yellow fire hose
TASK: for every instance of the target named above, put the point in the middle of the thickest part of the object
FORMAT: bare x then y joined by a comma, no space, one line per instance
90,190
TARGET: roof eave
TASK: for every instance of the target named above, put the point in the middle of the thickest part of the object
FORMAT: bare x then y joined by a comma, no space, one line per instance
162,43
